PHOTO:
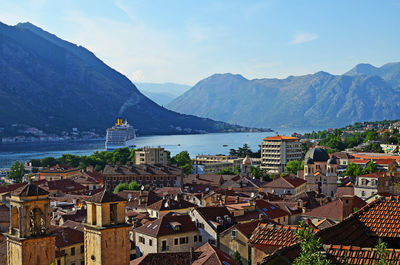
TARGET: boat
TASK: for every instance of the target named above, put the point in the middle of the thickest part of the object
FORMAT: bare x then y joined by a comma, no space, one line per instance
224,145
120,135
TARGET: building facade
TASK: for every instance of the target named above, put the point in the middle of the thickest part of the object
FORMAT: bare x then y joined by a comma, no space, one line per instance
156,175
276,151
320,172
151,155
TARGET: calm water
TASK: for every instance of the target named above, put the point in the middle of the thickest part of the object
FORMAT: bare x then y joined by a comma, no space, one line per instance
194,144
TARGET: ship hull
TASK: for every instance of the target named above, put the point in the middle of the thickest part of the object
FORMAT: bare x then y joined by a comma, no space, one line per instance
129,143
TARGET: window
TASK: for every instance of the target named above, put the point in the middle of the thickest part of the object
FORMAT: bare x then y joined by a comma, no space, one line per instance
195,239
182,240
142,240
176,241
73,263
200,238
233,233
363,193
58,262
150,242
82,249
73,251
82,262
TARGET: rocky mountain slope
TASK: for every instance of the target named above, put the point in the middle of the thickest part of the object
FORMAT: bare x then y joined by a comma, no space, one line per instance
55,85
315,100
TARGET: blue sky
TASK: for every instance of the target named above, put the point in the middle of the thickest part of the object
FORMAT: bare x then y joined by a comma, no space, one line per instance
188,40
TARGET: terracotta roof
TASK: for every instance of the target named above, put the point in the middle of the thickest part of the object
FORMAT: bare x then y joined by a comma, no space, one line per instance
270,210
248,228
105,196
336,209
280,138
12,187
210,215
139,199
359,161
384,161
166,226
78,215
324,223
274,235
210,255
378,219
29,189
74,225
287,182
64,185
353,255
208,179
169,204
66,236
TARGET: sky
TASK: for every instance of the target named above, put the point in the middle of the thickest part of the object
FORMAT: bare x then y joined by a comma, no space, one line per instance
188,40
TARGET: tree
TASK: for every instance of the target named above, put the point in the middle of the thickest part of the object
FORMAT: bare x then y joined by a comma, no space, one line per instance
383,253
35,162
237,258
183,161
48,161
294,166
121,155
227,171
310,247
125,186
17,171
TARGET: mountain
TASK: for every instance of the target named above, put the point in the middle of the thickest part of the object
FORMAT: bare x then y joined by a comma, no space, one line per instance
390,72
315,100
163,93
55,85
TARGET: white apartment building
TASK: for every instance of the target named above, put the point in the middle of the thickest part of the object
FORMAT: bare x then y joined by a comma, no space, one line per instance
276,151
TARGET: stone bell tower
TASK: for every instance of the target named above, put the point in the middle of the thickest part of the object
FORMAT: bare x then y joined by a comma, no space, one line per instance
106,233
29,240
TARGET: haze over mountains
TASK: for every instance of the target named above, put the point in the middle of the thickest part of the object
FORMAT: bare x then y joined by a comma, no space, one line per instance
55,85
162,94
315,100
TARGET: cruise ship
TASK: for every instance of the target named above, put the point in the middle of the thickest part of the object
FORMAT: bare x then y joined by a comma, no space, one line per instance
120,135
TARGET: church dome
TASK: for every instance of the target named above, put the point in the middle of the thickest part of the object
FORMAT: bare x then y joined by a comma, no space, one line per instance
332,161
317,155
309,161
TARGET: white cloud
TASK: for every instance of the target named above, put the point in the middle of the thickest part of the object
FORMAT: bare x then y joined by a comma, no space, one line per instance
303,37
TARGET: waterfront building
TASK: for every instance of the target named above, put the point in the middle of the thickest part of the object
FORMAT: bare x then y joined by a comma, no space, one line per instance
58,172
151,155
276,151
210,164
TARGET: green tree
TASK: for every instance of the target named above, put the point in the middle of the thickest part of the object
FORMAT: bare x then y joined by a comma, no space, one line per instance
383,253
237,258
133,185
48,161
294,166
227,171
35,162
121,155
17,171
183,161
310,247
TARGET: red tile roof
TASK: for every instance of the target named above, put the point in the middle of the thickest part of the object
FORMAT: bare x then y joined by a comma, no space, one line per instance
165,226
210,255
353,255
248,228
384,161
169,204
378,219
66,236
281,138
274,235
270,210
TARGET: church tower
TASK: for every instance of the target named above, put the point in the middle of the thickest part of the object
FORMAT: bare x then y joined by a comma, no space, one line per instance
245,169
106,233
29,240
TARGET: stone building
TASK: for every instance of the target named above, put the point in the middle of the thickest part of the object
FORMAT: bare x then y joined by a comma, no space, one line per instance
170,233
106,233
368,185
156,175
276,151
30,240
149,155
58,172
320,172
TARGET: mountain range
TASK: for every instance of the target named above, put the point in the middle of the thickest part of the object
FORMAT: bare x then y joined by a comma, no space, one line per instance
55,85
365,93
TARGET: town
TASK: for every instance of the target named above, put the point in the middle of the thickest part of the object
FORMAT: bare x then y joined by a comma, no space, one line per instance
335,201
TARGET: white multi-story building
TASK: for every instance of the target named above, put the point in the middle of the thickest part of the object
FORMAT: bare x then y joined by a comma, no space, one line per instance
276,151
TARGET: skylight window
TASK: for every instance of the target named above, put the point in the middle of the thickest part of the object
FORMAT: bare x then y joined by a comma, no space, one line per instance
265,209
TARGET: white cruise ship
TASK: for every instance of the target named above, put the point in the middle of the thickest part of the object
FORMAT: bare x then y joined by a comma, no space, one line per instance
120,135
